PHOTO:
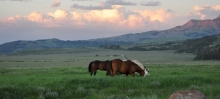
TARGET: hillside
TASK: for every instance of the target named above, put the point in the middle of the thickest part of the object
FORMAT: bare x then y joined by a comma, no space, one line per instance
16,46
199,45
206,48
190,30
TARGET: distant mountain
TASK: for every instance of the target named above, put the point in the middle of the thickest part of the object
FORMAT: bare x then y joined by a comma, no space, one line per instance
190,30
15,46
197,28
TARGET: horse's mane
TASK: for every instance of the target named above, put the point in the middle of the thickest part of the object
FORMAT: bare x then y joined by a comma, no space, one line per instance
139,64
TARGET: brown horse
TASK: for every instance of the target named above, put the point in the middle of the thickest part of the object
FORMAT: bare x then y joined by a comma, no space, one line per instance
98,65
126,67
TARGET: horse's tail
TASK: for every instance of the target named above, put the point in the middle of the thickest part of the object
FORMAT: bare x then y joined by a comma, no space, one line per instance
109,68
90,65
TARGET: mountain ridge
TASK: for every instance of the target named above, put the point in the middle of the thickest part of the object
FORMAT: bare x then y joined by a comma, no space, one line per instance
190,30
15,46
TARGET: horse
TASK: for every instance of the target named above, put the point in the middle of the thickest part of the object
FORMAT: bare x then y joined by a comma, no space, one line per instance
126,67
98,65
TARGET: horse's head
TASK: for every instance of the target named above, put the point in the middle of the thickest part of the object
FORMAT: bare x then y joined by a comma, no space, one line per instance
146,71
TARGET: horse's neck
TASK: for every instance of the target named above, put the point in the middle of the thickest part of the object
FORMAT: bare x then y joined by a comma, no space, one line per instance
138,64
138,68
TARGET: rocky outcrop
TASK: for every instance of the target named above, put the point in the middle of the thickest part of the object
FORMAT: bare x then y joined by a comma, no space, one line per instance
187,94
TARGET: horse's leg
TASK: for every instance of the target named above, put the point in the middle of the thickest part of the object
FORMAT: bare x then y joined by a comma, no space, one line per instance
110,73
107,73
91,73
133,74
94,73
114,73
126,75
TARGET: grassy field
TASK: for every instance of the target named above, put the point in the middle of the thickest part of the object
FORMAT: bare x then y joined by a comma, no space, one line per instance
64,75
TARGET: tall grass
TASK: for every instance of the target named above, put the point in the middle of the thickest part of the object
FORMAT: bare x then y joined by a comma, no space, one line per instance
75,82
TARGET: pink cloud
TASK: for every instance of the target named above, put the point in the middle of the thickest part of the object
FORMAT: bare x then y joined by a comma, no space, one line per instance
135,22
115,18
160,15
14,18
10,21
205,12
35,17
56,3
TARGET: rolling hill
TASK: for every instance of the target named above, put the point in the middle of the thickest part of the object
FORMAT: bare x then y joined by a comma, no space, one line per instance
190,30
12,47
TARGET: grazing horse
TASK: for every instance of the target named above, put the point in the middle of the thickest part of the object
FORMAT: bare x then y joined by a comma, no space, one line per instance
126,67
98,65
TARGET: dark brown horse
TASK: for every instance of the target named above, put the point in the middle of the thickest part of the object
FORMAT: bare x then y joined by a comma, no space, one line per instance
98,65
126,67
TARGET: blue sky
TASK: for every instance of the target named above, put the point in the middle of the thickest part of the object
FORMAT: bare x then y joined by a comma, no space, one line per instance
89,19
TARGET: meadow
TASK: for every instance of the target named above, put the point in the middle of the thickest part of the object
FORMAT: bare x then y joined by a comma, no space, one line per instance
63,74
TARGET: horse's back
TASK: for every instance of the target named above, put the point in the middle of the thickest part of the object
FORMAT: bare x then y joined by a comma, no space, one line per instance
94,65
116,63
122,66
128,66
103,65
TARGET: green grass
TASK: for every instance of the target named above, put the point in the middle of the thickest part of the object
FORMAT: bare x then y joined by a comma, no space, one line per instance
62,76
67,82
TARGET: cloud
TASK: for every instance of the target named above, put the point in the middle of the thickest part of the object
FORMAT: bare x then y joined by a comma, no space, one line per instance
160,15
205,12
115,18
109,4
119,2
56,3
100,7
59,14
151,3
64,24
35,17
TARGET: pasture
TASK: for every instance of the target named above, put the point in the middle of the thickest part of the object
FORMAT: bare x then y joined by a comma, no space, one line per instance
65,75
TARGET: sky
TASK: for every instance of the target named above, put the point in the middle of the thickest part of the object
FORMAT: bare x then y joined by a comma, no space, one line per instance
90,19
